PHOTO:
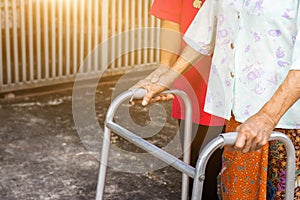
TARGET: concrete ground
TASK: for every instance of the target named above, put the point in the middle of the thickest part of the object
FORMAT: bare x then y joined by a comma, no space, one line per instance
42,156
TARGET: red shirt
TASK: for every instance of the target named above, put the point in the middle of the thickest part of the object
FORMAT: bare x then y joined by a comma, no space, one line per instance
194,81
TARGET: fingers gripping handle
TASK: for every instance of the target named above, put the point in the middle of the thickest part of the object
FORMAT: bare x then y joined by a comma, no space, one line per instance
230,139
138,93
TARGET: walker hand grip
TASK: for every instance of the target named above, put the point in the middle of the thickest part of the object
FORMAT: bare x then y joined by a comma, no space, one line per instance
229,138
138,93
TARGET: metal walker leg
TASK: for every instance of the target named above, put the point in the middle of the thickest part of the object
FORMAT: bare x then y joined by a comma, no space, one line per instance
140,142
198,173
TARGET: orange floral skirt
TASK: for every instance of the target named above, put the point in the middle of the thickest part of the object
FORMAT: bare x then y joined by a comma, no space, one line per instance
259,175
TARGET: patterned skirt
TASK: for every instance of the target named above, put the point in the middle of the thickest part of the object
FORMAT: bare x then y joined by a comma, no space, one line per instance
259,175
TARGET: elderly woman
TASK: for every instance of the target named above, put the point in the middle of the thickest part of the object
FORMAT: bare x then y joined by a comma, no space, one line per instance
254,83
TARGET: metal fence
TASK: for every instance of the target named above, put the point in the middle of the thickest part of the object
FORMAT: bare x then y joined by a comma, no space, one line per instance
44,42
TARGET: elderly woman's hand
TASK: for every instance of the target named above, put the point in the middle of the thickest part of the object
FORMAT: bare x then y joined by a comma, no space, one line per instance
254,132
158,81
153,92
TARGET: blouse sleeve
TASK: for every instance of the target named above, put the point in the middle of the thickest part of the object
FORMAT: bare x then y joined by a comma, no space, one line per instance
201,33
167,10
296,50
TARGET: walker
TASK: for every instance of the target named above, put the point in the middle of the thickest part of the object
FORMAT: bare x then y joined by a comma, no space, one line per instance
197,173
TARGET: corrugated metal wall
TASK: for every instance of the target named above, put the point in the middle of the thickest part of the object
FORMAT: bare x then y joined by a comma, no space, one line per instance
44,42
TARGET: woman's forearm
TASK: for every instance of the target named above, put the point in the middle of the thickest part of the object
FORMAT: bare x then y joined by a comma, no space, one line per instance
170,42
170,39
284,97
186,60
172,64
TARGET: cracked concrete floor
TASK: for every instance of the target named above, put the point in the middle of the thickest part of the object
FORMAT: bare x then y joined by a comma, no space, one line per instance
43,157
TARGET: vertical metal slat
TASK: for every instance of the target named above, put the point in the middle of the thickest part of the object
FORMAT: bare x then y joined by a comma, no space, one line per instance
60,38
132,36
152,35
1,52
96,32
68,32
81,48
7,42
15,41
75,32
113,33
38,39
46,40
104,23
146,38
30,30
53,38
89,33
139,37
126,31
119,45
23,42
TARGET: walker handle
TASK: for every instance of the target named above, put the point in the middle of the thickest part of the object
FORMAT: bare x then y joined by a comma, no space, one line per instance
138,93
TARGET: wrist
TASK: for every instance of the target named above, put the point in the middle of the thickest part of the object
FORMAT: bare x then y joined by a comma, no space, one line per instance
167,78
269,113
157,73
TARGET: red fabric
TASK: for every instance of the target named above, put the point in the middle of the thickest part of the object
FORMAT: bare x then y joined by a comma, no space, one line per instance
194,81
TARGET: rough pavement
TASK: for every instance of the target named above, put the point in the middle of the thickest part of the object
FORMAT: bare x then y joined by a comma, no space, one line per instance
43,157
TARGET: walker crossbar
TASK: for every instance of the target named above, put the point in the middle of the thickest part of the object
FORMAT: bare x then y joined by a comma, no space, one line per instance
152,149
164,156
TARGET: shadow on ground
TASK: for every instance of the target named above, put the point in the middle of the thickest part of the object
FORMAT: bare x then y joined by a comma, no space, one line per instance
43,157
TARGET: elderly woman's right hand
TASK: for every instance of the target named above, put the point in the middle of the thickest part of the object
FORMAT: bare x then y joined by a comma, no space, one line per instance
158,81
153,92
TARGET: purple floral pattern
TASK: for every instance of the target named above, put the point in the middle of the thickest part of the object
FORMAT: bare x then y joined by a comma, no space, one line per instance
277,165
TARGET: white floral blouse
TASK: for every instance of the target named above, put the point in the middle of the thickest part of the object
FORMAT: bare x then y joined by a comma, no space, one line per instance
255,43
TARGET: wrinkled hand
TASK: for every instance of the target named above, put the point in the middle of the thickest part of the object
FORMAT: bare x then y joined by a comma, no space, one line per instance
158,81
254,133
153,92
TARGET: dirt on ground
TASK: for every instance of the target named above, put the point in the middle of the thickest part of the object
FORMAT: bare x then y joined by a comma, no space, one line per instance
43,155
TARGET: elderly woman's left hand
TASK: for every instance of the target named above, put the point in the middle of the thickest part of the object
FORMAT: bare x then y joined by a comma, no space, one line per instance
254,132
